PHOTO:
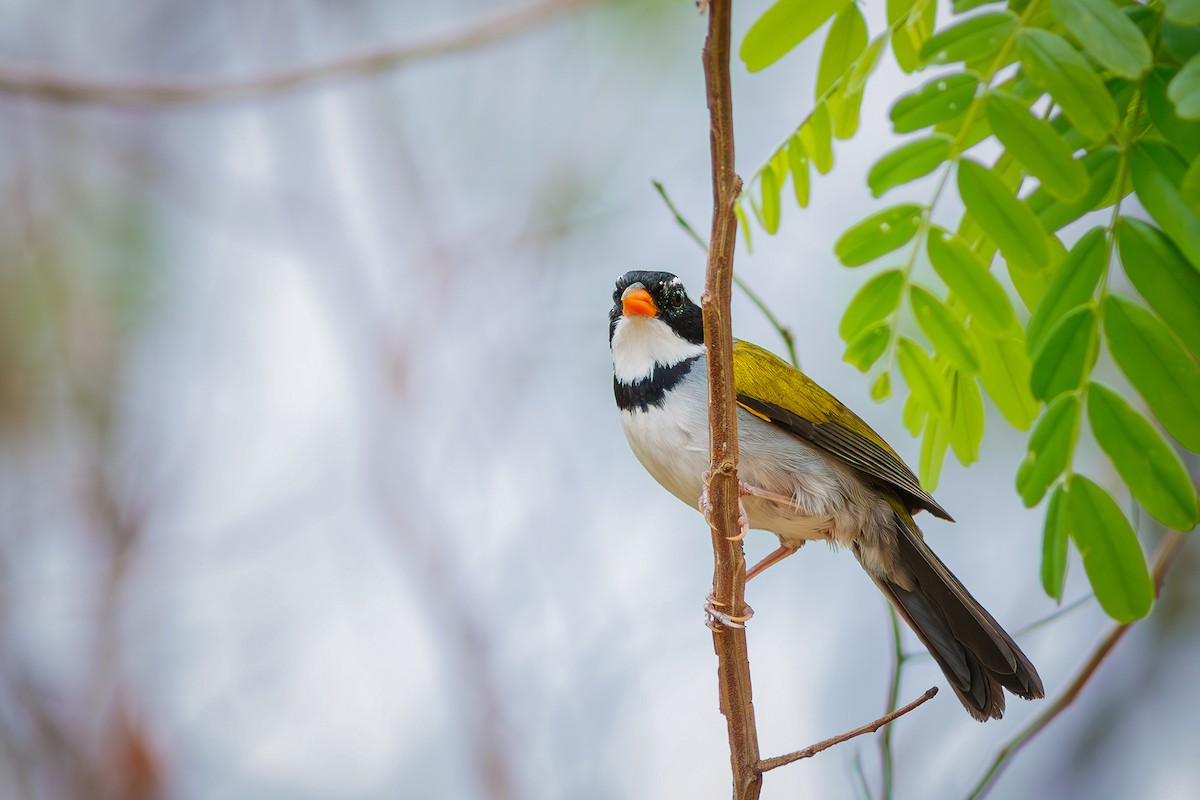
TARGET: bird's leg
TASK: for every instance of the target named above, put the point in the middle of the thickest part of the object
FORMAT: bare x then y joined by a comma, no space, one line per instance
706,510
783,552
717,617
747,490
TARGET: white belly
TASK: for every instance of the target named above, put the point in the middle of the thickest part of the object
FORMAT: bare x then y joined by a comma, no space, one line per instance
671,442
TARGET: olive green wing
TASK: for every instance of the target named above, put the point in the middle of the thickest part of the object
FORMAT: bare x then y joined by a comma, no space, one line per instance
773,390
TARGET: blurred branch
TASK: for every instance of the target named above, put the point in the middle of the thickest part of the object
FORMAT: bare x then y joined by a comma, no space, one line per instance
785,333
1167,552
67,88
885,742
871,727
729,562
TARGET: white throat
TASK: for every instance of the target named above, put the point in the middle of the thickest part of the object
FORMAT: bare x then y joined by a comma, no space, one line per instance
639,344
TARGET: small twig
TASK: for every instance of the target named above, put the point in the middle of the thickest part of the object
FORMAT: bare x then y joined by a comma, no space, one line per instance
808,752
1051,617
64,88
885,741
785,333
1167,552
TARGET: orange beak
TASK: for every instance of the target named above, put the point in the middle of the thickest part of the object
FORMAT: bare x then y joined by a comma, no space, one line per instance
637,302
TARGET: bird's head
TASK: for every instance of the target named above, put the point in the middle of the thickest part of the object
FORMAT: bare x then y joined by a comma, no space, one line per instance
653,323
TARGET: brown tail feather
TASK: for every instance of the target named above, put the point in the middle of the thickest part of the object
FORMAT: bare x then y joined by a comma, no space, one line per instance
976,654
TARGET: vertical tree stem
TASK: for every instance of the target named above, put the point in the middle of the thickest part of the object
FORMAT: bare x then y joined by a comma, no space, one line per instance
729,569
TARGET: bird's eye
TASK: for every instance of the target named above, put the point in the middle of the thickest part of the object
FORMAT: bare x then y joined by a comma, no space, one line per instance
676,297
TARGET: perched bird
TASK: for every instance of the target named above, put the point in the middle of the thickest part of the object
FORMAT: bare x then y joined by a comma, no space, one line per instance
809,469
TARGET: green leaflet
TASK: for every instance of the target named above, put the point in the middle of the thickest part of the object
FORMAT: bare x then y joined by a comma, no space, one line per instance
908,162
1112,555
881,389
817,137
1183,134
945,332
880,233
1182,12
1150,356
845,42
1065,357
1054,66
875,301
1184,89
933,451
770,185
921,375
910,37
1157,177
1149,466
1163,276
782,27
914,415
936,101
1106,34
867,347
976,38
966,411
1054,545
1034,143
1189,188
1073,284
1101,166
1050,446
1181,41
1007,220
970,281
1004,372
797,158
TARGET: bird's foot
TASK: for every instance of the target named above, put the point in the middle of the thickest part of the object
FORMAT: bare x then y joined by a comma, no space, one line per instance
706,509
775,557
718,619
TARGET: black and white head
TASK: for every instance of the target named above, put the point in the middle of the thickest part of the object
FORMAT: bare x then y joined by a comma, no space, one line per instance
653,324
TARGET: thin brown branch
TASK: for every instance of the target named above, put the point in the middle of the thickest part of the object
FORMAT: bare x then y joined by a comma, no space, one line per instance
870,727
729,567
1167,551
66,88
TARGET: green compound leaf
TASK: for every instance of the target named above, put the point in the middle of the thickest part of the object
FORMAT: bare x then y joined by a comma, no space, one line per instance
1064,359
1106,34
1007,220
937,101
970,281
933,451
1183,134
1073,284
908,162
921,375
817,137
1163,276
874,302
945,332
1038,147
918,22
1050,448
770,185
797,158
878,234
1158,367
1054,66
1054,545
1149,466
973,39
1112,555
782,27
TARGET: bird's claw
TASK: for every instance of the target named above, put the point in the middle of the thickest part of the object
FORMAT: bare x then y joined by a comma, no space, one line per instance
706,509
718,619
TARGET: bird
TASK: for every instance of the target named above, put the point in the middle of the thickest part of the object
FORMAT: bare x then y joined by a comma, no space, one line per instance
809,469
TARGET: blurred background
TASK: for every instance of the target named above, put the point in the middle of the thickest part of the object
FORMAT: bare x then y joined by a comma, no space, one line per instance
311,483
